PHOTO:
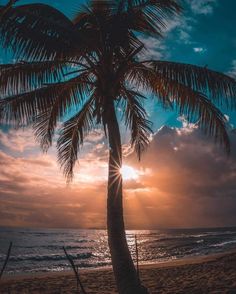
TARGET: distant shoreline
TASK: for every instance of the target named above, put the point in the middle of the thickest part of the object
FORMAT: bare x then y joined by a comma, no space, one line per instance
127,230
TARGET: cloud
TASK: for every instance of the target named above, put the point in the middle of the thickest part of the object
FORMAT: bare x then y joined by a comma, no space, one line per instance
232,71
184,30
33,191
202,6
155,48
55,207
184,36
199,50
180,30
184,180
179,27
191,183
17,140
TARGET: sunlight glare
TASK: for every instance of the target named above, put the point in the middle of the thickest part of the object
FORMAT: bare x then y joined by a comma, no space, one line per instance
129,173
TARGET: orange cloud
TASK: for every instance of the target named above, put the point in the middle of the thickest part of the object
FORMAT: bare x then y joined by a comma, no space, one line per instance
183,180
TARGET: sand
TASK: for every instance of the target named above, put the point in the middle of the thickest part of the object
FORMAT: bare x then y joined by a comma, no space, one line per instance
211,274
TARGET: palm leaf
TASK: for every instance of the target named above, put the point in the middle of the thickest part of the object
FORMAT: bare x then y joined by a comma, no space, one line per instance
215,84
20,109
195,104
70,96
4,9
144,79
98,17
37,31
72,136
150,16
24,108
197,107
135,119
138,74
26,76
95,13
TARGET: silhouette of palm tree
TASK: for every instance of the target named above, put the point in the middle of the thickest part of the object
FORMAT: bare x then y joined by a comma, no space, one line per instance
88,66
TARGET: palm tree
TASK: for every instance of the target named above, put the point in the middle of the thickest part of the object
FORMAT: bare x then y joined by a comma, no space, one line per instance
87,66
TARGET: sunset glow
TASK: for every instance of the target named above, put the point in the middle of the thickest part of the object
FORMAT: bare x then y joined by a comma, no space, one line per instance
182,179
129,173
117,146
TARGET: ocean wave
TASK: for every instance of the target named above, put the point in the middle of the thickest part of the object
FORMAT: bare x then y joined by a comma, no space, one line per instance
200,241
52,257
68,247
173,238
224,243
183,237
33,253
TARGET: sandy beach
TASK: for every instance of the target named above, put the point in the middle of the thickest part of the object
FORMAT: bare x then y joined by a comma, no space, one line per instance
205,274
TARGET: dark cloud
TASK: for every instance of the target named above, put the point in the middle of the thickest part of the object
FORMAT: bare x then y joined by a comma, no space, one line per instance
192,182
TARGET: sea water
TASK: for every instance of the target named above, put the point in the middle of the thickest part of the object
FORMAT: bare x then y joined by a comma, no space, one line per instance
41,250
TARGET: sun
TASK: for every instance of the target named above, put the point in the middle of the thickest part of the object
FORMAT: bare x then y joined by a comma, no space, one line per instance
129,173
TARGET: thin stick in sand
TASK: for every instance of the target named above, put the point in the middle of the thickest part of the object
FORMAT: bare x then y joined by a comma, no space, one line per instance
6,260
137,257
76,271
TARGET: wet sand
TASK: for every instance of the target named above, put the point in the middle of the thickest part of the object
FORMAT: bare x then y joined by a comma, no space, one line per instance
205,274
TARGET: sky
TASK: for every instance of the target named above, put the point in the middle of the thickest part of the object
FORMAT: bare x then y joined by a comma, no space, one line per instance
183,179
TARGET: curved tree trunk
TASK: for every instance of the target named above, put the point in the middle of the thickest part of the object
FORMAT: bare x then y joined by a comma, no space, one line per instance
123,267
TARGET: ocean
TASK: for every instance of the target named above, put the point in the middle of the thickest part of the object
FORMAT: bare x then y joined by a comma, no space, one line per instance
41,250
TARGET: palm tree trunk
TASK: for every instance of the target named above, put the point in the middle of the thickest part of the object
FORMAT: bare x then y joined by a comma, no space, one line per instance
123,267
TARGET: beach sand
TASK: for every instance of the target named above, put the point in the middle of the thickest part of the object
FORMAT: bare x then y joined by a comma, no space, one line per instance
209,274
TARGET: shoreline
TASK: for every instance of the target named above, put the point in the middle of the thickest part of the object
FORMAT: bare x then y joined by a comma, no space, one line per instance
188,260
198,274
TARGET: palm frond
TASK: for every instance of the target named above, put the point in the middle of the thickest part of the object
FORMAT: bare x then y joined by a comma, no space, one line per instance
144,79
135,119
106,29
24,108
72,136
6,7
20,109
189,101
94,19
94,12
150,16
197,107
138,75
37,31
46,122
26,76
218,86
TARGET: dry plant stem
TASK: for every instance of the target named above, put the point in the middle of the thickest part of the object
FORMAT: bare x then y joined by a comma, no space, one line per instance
76,272
137,257
6,260
7,7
